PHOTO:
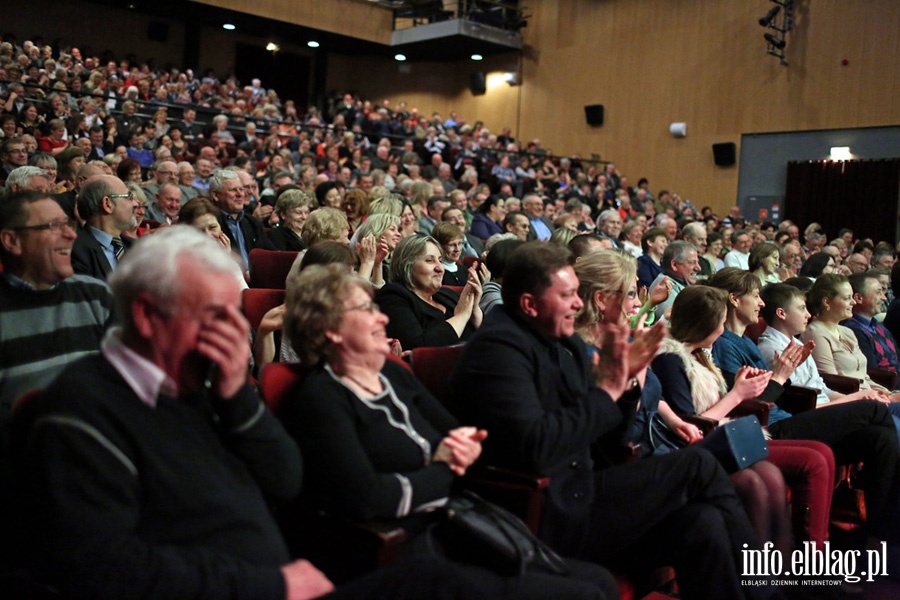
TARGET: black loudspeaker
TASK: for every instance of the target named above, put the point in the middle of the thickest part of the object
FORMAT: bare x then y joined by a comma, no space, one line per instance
478,83
594,114
723,154
157,32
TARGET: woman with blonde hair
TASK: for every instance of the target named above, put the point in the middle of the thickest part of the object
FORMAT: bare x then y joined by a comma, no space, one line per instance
374,242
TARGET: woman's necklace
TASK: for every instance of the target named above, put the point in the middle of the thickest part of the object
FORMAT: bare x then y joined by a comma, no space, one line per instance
364,387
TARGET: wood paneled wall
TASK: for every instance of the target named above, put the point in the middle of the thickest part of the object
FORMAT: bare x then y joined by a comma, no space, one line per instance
654,62
347,17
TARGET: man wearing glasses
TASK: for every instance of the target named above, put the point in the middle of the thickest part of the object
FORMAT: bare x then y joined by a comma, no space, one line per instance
48,316
12,156
108,209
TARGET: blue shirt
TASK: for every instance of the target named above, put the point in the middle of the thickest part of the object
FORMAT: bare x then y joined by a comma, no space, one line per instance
234,226
731,352
540,229
105,241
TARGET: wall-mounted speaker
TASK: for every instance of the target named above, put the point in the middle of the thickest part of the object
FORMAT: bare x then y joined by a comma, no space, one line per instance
478,83
593,113
724,154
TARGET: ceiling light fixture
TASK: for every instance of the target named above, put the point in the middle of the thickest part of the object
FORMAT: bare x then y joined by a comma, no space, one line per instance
312,44
400,57
228,26
477,57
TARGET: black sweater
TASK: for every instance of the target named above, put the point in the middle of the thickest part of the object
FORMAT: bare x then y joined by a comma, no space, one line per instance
124,500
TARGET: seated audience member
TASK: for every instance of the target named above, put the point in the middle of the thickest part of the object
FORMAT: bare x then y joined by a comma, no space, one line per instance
517,222
654,243
561,236
49,317
837,351
356,205
526,377
609,226
739,255
816,265
202,215
325,224
633,232
359,464
374,243
489,217
166,205
875,342
433,209
108,209
244,231
714,245
27,178
141,227
292,208
495,261
764,262
421,313
857,262
695,233
681,264
450,239
107,511
541,226
472,246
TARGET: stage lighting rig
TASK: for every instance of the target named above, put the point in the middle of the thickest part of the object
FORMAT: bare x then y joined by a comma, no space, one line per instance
780,18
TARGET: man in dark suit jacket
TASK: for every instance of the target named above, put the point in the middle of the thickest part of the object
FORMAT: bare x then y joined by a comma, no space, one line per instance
108,208
244,231
526,378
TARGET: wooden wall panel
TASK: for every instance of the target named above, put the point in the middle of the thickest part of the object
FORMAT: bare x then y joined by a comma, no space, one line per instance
652,62
347,17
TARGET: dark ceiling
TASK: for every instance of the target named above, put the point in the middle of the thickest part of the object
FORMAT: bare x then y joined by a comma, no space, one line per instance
445,49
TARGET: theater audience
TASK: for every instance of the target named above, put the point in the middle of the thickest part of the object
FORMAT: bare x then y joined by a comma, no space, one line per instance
293,209
108,209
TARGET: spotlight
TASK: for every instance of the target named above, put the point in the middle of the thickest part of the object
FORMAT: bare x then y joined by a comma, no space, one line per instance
312,44
770,16
776,43
477,57
273,47
228,26
400,57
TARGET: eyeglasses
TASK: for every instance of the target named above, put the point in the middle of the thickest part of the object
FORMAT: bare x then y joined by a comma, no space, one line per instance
367,307
54,226
129,195
141,205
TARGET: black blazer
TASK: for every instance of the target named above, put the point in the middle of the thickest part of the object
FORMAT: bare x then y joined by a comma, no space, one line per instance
284,238
254,234
88,257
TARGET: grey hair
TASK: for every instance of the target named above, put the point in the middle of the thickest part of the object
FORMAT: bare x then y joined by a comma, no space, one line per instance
609,212
152,266
90,199
405,255
219,177
692,229
22,176
677,251
499,237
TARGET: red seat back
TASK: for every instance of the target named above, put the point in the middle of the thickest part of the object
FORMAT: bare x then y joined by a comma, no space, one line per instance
269,268
433,366
256,302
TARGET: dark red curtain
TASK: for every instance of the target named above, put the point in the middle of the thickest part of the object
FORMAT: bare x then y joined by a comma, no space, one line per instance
860,194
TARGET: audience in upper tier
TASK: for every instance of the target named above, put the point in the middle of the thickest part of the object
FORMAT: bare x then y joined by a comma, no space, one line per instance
438,232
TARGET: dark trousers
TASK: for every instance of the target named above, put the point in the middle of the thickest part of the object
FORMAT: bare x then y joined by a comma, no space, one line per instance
437,579
678,509
864,432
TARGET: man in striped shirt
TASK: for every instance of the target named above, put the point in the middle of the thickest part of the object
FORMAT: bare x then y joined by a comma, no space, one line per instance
49,317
